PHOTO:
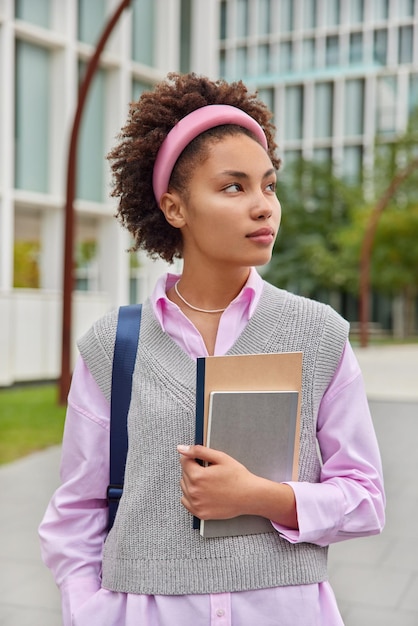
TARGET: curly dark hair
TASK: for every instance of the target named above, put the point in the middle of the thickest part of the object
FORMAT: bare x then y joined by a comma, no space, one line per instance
149,121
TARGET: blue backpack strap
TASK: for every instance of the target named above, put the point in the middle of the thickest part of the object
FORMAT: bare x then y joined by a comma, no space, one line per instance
124,357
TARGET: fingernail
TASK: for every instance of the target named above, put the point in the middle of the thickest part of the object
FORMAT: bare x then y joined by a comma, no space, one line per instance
181,448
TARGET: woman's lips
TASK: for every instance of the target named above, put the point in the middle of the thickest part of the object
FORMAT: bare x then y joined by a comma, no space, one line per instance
262,235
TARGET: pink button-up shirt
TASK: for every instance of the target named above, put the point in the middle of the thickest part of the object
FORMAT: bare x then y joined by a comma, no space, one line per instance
348,501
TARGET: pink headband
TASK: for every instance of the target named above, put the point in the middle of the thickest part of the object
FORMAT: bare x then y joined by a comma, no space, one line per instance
190,127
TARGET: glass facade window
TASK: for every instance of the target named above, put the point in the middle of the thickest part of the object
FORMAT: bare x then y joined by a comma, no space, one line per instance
332,12
309,14
293,112
323,111
332,50
185,37
91,20
34,11
223,14
405,44
222,63
380,46
242,62
354,107
264,17
286,16
353,164
264,59
267,96
285,57
322,155
356,48
356,10
380,9
413,92
308,54
32,117
404,8
242,18
138,88
290,156
143,25
386,104
90,166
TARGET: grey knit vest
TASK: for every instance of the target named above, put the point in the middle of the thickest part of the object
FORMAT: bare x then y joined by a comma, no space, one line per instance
152,547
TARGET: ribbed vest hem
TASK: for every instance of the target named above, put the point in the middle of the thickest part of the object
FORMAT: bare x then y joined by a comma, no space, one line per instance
197,576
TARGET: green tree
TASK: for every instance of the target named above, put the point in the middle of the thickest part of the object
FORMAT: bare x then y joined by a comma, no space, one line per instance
316,205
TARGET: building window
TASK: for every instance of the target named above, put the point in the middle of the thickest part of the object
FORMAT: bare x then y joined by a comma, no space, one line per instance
286,16
138,88
356,48
242,18
356,9
264,17
353,164
332,50
90,166
91,19
267,96
285,57
309,14
405,44
380,46
380,9
308,54
222,64
242,62
143,29
223,13
404,8
386,104
32,115
332,12
185,36
413,92
354,107
323,110
293,112
36,12
264,59
322,155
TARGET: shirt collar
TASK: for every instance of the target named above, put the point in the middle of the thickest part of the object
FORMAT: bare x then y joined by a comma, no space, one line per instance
249,294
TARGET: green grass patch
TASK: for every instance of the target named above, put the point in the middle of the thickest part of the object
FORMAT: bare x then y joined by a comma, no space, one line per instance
30,420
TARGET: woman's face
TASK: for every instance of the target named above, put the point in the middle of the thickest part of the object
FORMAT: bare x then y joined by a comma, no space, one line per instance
230,209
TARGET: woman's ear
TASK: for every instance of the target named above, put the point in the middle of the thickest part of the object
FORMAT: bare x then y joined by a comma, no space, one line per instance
172,207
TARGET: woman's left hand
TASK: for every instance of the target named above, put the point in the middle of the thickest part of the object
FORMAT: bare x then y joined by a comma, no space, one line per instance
219,489
223,488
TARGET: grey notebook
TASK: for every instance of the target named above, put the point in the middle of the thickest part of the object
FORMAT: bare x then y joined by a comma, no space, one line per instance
258,429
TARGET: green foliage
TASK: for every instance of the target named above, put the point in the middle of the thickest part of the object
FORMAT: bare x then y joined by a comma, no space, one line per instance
30,420
315,206
25,261
85,252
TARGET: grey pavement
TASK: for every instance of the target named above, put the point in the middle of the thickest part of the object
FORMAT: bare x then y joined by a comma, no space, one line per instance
375,579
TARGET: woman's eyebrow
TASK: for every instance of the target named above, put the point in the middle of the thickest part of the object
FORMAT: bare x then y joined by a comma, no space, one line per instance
238,174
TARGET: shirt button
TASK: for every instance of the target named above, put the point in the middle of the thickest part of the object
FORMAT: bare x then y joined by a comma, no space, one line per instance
220,612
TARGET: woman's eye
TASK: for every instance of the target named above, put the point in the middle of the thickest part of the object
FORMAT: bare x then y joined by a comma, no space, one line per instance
232,188
271,187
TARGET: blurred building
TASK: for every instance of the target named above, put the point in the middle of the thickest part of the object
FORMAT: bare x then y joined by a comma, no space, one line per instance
335,72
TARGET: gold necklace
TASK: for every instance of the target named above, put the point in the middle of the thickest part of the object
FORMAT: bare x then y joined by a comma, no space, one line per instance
195,308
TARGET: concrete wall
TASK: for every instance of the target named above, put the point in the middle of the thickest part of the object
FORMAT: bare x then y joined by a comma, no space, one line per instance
30,331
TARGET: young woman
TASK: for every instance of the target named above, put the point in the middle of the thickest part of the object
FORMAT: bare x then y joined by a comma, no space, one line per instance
195,174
